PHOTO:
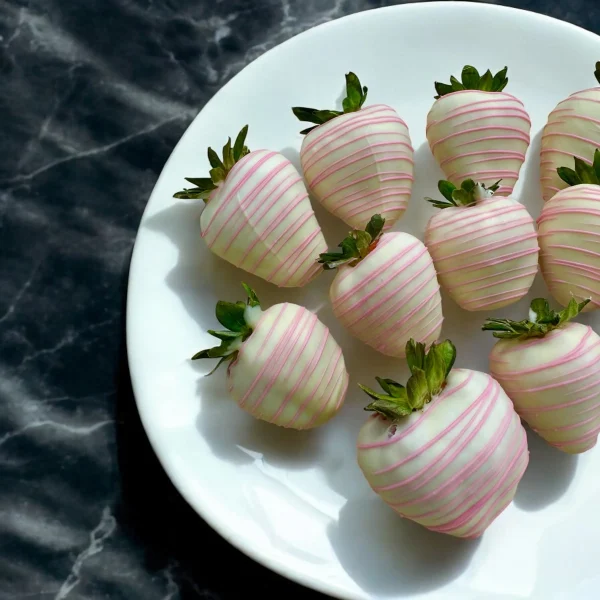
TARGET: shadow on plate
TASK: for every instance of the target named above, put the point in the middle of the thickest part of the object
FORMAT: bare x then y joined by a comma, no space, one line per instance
409,558
154,519
548,476
240,438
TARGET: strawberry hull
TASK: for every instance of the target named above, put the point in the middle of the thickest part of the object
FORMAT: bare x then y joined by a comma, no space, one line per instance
554,384
390,296
290,371
360,163
573,129
453,466
486,255
569,237
260,220
479,135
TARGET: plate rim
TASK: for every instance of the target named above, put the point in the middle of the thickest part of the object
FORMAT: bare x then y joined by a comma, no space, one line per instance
136,369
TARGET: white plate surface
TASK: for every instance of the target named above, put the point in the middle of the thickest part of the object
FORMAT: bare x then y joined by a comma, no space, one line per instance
297,502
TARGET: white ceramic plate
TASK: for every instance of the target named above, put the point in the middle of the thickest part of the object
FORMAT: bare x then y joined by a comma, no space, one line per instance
297,502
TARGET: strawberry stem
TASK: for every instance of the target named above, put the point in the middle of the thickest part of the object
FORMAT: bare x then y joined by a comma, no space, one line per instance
355,98
468,194
542,320
356,246
238,319
220,169
429,371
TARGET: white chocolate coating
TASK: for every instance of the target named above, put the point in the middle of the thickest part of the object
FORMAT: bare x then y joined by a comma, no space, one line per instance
481,136
454,466
360,164
290,371
569,238
392,295
486,255
261,220
573,129
554,383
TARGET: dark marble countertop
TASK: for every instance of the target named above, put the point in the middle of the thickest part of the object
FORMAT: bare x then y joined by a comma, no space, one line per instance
94,96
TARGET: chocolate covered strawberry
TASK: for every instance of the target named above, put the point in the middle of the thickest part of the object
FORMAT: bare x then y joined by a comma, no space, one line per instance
573,129
477,131
447,450
385,291
484,246
358,161
569,235
258,216
284,365
549,368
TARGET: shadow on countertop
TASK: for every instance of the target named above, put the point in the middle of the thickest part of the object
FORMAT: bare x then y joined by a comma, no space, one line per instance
173,535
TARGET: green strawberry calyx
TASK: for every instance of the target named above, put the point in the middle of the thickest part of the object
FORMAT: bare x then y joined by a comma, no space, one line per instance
472,80
355,246
219,171
542,320
429,371
239,319
468,194
356,94
583,172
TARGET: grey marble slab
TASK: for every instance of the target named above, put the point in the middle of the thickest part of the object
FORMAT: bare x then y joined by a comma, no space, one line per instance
94,95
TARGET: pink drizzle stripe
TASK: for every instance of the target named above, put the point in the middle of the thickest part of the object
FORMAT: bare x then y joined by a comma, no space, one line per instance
483,135
261,220
365,156
290,371
559,397
468,473
572,130
494,242
569,232
390,296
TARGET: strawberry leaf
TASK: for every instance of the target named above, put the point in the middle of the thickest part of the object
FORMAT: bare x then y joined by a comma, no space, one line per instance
417,390
597,72
470,78
415,355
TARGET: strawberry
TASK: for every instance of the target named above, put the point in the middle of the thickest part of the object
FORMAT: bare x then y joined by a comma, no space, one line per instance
476,131
569,235
258,216
284,365
573,129
549,368
385,291
448,450
358,161
484,247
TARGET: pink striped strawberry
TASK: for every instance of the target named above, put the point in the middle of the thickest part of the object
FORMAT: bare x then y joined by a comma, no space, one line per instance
358,161
284,365
476,131
572,130
447,450
569,235
258,216
549,368
385,291
484,247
